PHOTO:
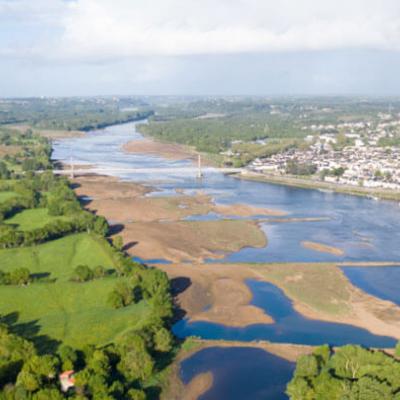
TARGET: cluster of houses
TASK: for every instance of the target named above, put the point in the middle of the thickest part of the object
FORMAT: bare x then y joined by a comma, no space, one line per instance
361,161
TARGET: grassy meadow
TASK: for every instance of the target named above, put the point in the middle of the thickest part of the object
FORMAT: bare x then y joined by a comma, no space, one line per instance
74,313
7,195
27,220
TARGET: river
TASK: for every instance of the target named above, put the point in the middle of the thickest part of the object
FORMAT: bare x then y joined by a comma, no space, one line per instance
365,229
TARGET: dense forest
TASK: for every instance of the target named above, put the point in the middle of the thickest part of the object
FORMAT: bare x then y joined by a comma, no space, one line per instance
72,113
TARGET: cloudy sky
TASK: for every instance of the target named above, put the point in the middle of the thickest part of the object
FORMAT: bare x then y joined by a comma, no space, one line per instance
264,47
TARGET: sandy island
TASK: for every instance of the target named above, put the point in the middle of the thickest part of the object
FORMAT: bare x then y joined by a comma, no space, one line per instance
193,241
318,291
322,248
125,202
170,151
154,227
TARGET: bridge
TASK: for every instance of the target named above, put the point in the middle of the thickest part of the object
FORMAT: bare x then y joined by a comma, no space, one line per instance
123,170
187,170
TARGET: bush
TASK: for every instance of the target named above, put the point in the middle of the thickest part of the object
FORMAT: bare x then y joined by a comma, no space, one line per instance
82,273
115,300
99,272
20,276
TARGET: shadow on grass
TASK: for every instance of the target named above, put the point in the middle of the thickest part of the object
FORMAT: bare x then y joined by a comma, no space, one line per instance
30,331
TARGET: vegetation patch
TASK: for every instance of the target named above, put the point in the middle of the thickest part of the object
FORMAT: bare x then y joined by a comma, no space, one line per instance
349,372
33,218
321,286
7,195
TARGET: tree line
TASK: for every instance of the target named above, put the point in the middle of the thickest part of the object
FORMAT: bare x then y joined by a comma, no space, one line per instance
346,373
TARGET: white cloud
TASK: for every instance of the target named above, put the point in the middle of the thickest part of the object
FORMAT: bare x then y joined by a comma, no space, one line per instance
108,29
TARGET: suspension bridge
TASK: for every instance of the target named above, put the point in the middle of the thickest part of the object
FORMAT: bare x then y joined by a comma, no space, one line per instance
196,171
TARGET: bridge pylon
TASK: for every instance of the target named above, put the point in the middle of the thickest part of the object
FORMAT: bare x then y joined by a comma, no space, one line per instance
199,171
72,169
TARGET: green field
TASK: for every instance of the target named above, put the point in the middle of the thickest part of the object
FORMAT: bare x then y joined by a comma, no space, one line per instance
6,195
31,219
75,313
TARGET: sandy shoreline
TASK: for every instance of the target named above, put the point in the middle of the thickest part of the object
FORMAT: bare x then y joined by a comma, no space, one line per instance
337,299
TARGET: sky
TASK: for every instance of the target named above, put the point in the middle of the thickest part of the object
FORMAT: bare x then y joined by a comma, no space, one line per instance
207,47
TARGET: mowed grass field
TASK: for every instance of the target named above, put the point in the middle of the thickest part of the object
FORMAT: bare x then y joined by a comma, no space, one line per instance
33,218
75,313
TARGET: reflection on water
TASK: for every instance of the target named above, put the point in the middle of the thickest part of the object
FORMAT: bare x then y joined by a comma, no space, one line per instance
382,282
289,325
239,373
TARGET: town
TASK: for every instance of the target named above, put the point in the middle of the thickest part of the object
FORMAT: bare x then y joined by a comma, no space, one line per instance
359,154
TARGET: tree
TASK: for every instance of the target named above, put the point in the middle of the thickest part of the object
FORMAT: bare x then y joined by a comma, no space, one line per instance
4,172
48,394
368,388
163,340
338,172
100,226
136,394
118,242
82,273
36,371
115,300
125,291
307,366
351,372
397,350
99,272
68,357
135,361
20,276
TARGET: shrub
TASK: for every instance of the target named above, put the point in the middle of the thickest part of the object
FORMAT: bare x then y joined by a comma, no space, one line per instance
82,273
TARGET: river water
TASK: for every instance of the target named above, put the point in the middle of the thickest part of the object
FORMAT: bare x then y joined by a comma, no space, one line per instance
365,229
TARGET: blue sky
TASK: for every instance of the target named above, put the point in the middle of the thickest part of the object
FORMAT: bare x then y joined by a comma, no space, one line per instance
263,47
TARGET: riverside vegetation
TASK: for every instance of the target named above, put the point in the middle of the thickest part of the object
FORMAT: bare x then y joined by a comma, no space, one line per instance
71,299
349,372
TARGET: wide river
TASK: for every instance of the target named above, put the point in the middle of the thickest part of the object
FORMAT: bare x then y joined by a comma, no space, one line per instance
364,228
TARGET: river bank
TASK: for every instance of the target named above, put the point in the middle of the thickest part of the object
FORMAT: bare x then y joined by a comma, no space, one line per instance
318,291
202,382
320,185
